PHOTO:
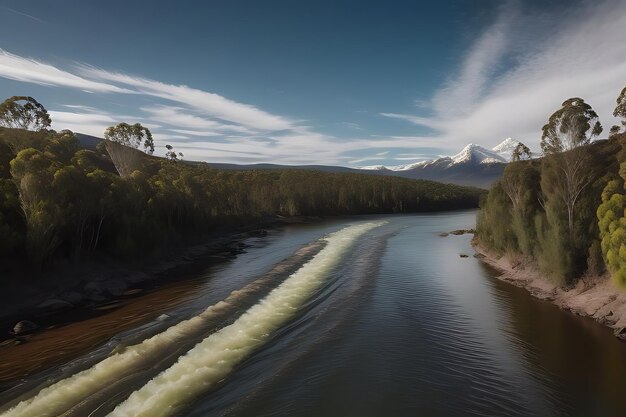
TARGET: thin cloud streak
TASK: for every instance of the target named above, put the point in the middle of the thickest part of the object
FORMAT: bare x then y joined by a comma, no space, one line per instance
24,14
17,68
204,102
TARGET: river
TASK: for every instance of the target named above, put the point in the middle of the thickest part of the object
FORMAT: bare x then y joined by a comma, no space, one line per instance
366,316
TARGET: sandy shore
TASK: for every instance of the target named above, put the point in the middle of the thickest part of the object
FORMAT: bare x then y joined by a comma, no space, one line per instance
595,297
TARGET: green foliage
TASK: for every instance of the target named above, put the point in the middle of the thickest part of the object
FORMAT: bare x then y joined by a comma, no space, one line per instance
133,136
171,153
552,251
620,108
525,214
565,138
612,221
574,124
521,152
72,204
12,228
510,208
22,112
493,223
123,142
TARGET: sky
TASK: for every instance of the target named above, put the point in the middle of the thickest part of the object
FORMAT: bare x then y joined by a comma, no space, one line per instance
331,82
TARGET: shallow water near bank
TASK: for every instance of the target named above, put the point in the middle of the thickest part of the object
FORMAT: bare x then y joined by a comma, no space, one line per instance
397,323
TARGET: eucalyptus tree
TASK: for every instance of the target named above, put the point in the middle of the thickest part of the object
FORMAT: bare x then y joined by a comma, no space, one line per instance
32,172
563,140
521,152
23,112
620,111
125,144
171,154
611,212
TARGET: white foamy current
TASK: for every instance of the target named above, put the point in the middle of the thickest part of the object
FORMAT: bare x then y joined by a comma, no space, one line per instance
211,360
214,358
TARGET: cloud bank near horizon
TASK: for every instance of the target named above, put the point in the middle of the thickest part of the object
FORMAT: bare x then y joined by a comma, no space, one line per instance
514,75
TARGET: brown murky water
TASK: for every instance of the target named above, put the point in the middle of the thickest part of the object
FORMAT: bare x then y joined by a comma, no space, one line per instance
58,345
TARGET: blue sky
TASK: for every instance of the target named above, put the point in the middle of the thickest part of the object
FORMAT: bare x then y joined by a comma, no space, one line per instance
334,82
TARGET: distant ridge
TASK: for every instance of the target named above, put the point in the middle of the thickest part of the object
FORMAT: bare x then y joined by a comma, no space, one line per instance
474,165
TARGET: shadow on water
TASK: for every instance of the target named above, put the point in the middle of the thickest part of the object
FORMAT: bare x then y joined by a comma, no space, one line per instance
578,359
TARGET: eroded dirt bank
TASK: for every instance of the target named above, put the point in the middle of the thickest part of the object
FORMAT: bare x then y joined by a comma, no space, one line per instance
595,297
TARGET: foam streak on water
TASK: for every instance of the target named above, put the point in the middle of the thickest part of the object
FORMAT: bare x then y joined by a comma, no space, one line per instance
68,393
211,360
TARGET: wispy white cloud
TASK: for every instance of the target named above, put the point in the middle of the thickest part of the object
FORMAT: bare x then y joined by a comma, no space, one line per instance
92,121
178,116
204,102
243,117
81,107
520,70
229,129
351,125
30,70
428,122
481,62
88,123
202,133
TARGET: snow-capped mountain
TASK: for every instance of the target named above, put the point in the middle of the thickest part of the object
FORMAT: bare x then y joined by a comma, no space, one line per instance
505,148
474,165
478,155
472,153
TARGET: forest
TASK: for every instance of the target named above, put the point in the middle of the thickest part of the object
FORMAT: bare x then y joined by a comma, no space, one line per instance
62,203
564,212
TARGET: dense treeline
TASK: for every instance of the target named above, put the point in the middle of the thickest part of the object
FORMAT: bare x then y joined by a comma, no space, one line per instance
563,211
60,201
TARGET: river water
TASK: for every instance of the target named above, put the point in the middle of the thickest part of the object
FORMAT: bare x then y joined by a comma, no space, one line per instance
369,316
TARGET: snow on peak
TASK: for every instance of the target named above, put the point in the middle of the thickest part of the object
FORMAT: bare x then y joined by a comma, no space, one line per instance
412,165
477,154
505,148
472,154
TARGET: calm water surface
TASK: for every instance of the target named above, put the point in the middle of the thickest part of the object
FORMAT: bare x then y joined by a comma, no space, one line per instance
397,324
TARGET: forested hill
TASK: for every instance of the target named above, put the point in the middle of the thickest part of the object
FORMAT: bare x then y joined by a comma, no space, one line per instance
61,201
567,211
564,212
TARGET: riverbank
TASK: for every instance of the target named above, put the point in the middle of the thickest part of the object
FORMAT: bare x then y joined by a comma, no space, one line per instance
78,292
594,297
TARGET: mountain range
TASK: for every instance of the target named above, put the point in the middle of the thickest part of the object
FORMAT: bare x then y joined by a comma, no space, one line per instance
474,166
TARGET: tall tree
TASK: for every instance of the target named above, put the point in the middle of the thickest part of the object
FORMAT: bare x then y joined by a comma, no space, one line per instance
620,111
568,130
521,152
32,173
123,143
22,112
171,153
612,212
